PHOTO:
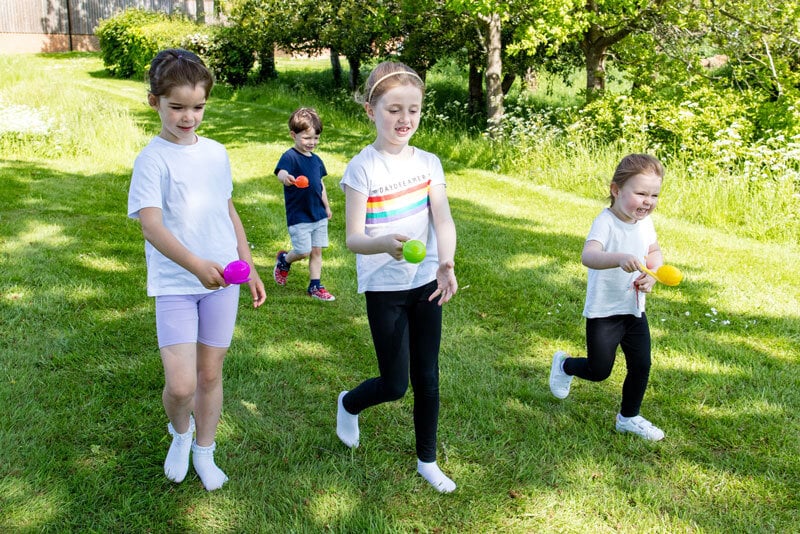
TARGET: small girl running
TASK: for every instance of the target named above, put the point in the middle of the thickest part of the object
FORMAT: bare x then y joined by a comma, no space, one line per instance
395,192
622,239
181,193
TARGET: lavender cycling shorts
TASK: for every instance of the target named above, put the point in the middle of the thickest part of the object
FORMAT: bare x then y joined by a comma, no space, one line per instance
206,318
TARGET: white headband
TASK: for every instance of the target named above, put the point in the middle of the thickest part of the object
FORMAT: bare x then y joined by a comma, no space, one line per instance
395,73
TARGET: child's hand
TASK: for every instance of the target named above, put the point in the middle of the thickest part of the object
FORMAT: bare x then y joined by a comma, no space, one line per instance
446,283
644,283
629,263
289,180
257,289
210,274
394,245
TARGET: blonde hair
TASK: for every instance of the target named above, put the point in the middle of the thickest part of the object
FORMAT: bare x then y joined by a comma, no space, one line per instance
385,76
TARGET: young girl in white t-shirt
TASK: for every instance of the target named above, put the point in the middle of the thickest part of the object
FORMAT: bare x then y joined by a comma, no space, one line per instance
181,193
396,192
621,240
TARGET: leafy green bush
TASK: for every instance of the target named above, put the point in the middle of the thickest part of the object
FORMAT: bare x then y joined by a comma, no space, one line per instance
229,55
120,37
130,40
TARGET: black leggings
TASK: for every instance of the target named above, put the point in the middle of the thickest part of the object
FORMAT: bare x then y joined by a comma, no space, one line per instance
603,336
406,331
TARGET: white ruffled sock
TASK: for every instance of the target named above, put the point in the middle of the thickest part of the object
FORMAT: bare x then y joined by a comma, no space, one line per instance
431,472
346,424
176,465
210,475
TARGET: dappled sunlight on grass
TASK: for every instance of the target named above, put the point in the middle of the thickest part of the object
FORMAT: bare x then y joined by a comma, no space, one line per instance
330,508
16,294
748,407
102,263
250,407
36,233
30,506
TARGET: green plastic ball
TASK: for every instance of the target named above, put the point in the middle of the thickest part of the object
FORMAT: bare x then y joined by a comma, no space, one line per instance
414,251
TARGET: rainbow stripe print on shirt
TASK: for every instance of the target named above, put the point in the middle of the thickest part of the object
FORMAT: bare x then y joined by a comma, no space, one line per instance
385,208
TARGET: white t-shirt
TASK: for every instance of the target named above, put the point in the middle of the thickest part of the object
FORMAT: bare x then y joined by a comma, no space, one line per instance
611,291
397,203
191,184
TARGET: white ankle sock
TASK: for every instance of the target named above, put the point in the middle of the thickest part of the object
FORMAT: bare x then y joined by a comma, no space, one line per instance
203,460
176,464
346,424
431,472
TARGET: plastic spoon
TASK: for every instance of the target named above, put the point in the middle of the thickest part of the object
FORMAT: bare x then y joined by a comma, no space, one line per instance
666,274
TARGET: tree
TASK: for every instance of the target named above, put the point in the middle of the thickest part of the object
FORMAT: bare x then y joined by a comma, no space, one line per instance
265,24
488,15
607,23
200,11
512,35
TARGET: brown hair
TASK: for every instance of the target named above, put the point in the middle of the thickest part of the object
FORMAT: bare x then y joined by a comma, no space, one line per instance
633,165
175,67
303,119
385,76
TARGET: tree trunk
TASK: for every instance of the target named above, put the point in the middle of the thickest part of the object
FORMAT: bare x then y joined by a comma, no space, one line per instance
594,46
494,70
595,57
266,63
355,71
336,66
475,87
200,15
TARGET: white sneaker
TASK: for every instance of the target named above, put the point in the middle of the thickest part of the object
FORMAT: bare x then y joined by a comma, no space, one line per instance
641,427
559,380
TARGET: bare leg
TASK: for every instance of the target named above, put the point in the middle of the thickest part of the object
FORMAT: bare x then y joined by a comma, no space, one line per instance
180,380
208,394
208,407
315,264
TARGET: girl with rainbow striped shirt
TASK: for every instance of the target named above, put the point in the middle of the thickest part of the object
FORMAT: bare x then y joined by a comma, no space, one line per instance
396,192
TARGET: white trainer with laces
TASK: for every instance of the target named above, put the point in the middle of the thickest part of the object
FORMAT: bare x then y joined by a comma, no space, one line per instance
641,427
559,380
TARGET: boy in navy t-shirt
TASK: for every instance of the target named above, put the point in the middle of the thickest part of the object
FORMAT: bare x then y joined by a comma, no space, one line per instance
307,208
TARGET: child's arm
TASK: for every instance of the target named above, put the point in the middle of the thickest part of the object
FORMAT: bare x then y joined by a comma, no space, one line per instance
654,260
208,272
243,248
324,197
447,285
358,241
285,178
595,257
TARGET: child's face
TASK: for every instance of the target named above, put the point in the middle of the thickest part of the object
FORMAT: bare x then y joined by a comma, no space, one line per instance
637,197
396,115
181,112
306,141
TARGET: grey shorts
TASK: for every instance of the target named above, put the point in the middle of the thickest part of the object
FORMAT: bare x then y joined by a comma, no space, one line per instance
307,235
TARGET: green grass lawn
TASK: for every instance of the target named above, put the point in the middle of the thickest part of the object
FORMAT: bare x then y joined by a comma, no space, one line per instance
83,433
